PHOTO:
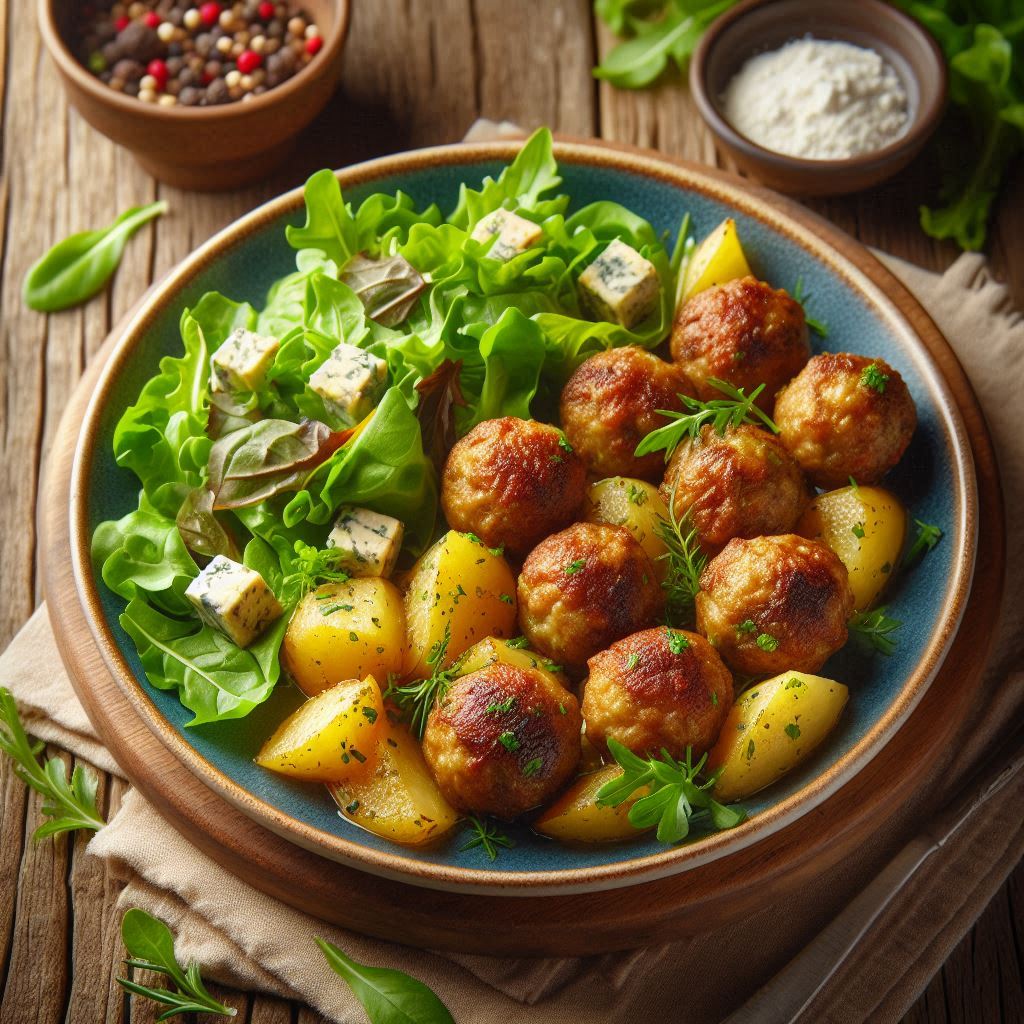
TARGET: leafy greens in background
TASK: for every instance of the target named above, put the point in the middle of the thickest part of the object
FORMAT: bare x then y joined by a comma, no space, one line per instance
983,42
465,338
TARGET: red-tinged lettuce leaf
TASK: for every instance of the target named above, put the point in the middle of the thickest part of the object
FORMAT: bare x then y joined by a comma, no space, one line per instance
201,530
268,458
440,394
388,288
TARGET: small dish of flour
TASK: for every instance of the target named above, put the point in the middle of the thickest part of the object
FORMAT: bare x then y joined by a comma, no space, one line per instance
818,99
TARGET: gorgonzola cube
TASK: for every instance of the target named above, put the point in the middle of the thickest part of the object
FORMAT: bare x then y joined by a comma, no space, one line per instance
620,285
234,599
371,541
515,234
242,361
350,381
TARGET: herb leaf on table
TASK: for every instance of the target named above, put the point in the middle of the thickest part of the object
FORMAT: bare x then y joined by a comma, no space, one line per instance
387,996
69,806
75,269
151,945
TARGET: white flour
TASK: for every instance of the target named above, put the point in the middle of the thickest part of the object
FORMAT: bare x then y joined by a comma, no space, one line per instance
818,99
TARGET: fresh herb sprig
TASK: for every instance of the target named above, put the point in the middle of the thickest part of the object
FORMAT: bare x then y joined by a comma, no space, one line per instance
677,796
685,562
720,413
928,535
68,806
312,566
487,836
799,295
874,629
416,700
151,945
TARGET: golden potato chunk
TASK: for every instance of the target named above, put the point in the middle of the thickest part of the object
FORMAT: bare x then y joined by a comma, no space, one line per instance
636,505
493,651
577,817
719,258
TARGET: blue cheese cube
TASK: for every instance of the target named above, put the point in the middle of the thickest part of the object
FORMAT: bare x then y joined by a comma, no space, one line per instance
234,599
370,541
620,286
241,363
350,381
515,234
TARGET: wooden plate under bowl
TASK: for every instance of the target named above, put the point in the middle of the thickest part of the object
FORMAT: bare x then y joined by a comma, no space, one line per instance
704,891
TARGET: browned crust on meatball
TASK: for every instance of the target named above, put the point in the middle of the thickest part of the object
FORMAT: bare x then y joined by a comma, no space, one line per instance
744,332
609,405
740,484
463,742
584,588
650,697
838,426
787,588
512,482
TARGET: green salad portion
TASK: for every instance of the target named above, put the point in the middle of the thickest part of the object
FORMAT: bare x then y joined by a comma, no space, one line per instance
247,443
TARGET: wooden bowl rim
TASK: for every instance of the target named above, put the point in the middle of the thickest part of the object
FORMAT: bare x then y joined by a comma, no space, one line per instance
844,256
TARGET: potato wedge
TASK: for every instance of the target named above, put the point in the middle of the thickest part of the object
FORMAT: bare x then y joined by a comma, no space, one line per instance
331,737
866,527
719,258
399,799
461,585
492,650
771,729
345,631
577,817
635,504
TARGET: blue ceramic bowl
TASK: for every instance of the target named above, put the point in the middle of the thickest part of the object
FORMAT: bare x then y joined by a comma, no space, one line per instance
935,479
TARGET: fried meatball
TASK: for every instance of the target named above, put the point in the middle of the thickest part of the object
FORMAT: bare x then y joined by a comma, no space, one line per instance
775,604
740,484
744,332
846,416
609,405
658,688
512,482
503,739
583,589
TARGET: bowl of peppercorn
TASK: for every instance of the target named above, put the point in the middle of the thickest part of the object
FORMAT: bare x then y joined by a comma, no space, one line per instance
206,95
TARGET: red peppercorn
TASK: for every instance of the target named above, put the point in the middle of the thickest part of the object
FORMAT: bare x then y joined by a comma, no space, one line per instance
122,23
313,45
152,19
158,69
266,10
248,62
210,12
207,77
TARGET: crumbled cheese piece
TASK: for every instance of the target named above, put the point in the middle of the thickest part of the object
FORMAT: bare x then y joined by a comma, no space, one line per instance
350,381
241,363
620,285
515,234
234,599
371,541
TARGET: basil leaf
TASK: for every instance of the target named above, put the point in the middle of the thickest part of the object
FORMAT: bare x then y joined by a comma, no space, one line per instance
387,288
75,269
387,996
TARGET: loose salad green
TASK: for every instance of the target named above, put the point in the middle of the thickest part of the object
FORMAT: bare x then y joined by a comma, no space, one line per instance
257,475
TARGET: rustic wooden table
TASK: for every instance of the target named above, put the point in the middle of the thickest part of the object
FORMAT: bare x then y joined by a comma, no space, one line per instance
415,74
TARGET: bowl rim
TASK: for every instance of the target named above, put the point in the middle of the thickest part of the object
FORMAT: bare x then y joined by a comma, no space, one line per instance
844,256
69,65
925,121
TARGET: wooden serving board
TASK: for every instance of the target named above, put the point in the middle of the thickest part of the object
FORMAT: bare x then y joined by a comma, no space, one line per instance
699,899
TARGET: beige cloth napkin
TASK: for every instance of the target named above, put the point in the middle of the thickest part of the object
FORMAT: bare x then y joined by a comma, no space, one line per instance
243,937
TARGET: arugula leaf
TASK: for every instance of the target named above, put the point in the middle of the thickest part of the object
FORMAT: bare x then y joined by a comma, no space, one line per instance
75,269
387,996
68,806
215,679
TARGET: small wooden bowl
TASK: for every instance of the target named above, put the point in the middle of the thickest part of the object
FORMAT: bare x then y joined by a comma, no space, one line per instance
204,148
757,26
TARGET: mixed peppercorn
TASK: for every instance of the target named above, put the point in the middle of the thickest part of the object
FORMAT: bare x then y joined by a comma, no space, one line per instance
173,52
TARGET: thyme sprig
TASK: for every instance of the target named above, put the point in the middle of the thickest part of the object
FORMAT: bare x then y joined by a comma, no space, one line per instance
487,836
720,413
677,798
416,700
874,629
68,806
685,560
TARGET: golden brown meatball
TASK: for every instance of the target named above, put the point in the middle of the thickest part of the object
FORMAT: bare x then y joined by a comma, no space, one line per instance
512,482
609,405
744,332
658,688
740,484
503,739
584,588
846,416
775,604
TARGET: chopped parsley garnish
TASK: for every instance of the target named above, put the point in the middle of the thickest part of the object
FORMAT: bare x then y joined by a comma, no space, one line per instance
793,731
370,714
508,740
857,530
563,442
552,666
335,608
574,567
927,537
532,767
637,495
872,377
501,707
767,642
632,661
517,643
714,698
487,836
497,552
750,750
874,629
747,626
677,643
506,598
